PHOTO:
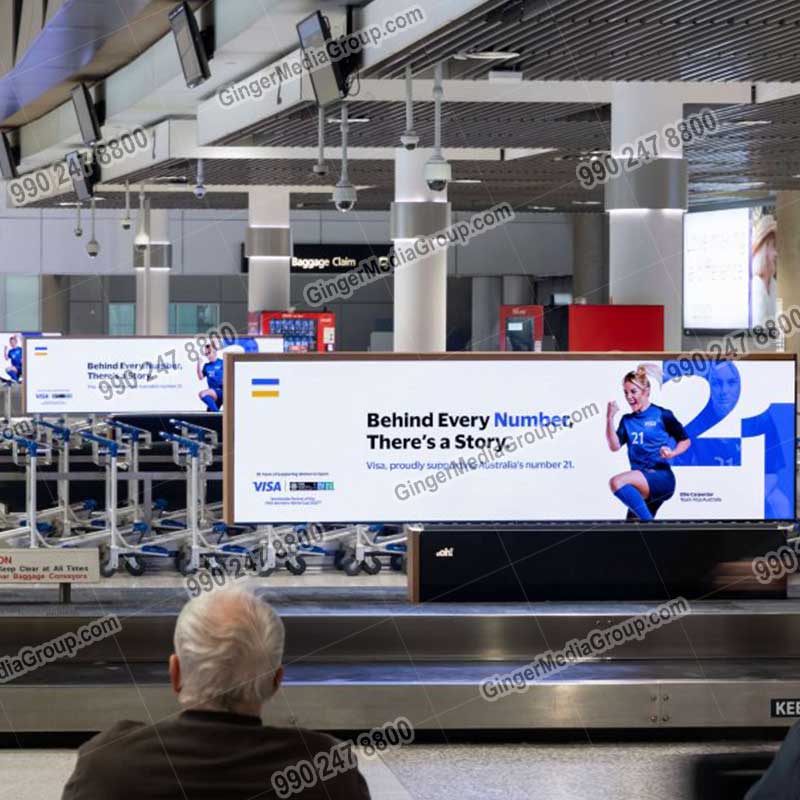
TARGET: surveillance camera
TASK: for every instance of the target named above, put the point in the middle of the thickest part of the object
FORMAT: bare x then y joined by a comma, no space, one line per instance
409,140
140,247
199,191
93,249
320,168
438,173
344,197
78,232
126,223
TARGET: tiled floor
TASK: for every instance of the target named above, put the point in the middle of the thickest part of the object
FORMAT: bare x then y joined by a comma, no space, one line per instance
606,771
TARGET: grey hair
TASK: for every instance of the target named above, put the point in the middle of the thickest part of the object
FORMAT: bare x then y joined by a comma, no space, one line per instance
230,644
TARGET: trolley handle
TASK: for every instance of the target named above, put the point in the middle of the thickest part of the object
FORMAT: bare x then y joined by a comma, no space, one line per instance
109,444
135,434
33,447
208,435
192,446
61,430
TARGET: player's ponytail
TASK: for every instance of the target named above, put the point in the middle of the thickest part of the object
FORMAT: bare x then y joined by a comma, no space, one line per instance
642,374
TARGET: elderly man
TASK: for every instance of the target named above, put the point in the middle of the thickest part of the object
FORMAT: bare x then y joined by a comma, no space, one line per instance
226,665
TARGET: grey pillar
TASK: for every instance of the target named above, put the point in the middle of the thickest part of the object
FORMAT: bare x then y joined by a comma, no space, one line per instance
590,248
517,290
487,296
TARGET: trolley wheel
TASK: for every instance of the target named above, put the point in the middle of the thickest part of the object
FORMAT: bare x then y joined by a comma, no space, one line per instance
397,562
371,565
106,570
182,562
350,566
134,565
265,572
296,565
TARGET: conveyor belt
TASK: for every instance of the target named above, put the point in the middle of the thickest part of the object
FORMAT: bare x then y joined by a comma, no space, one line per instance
631,695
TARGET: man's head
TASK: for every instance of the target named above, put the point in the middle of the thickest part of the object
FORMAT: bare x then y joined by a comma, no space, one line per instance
228,652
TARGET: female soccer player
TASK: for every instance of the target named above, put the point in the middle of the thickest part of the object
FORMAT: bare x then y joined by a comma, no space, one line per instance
653,436
13,354
211,372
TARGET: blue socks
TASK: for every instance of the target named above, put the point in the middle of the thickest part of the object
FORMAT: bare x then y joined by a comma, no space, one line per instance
633,499
210,402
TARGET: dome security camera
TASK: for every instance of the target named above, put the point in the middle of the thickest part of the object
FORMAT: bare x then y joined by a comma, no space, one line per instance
126,223
199,191
78,231
409,140
93,248
344,197
320,168
438,173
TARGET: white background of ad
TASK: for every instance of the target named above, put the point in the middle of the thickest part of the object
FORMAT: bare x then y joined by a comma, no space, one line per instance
317,426
65,370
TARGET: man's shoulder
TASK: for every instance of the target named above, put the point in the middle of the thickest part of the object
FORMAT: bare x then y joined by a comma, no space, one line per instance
309,740
118,736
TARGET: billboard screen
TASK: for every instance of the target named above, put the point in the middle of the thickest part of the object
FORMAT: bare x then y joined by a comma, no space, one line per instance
131,374
730,269
511,437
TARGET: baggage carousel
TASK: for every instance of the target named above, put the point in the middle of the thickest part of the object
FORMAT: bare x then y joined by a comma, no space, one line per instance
359,656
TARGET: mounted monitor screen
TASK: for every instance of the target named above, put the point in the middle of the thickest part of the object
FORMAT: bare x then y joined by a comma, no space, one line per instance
82,175
87,115
730,271
191,50
327,76
8,166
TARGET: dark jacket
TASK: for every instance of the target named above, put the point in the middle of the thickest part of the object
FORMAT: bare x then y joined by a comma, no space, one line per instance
782,780
203,755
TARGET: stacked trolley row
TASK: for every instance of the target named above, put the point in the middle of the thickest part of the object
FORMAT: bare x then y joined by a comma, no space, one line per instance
141,530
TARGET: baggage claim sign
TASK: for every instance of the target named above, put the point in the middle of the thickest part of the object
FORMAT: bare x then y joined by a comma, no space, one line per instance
508,437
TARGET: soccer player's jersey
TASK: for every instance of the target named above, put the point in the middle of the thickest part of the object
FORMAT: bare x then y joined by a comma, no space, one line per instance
213,374
15,357
646,432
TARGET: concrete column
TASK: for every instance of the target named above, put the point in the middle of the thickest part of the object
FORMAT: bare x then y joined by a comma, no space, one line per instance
268,248
420,283
788,214
646,207
517,290
487,296
590,248
153,268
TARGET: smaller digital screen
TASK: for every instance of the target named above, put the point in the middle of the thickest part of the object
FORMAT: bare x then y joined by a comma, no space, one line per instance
81,174
191,50
86,114
8,168
314,36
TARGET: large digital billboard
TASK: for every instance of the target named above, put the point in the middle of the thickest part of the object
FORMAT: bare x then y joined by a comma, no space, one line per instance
508,437
131,374
730,269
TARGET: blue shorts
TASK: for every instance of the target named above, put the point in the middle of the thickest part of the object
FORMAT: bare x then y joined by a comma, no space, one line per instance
662,486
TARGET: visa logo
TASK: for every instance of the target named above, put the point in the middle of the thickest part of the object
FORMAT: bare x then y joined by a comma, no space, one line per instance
267,486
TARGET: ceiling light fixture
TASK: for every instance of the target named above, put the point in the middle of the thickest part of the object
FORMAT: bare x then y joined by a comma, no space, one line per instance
350,120
486,55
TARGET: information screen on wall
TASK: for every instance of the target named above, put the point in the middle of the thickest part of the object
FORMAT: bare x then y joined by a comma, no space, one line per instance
512,437
131,374
730,269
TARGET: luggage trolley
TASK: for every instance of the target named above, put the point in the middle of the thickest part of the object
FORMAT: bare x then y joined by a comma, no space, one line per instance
135,439
32,454
112,455
60,436
207,436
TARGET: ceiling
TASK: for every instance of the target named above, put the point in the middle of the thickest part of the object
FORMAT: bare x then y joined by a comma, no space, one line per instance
557,40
